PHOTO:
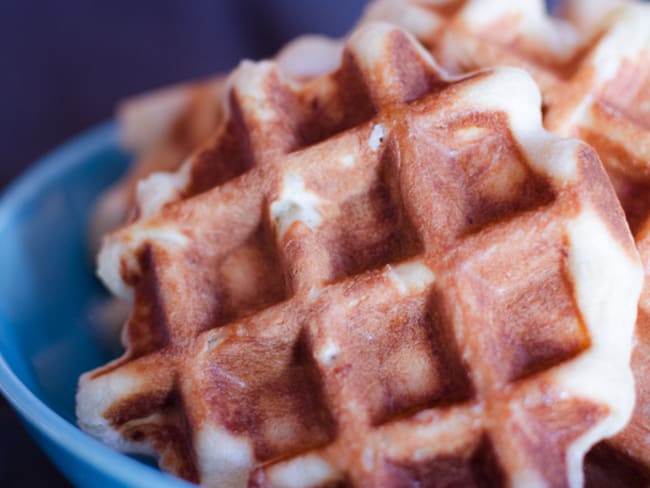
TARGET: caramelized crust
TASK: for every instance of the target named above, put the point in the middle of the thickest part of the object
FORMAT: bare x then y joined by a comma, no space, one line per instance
394,288
594,72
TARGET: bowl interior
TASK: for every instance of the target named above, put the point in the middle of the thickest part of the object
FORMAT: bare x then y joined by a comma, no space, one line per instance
50,305
49,295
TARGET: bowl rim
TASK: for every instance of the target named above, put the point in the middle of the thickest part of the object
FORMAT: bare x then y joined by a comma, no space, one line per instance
65,158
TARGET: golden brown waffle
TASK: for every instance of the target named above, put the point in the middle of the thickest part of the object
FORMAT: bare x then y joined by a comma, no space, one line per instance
594,86
595,76
377,278
162,128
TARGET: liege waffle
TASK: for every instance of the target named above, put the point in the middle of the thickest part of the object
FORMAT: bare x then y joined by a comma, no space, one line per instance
405,278
162,128
595,75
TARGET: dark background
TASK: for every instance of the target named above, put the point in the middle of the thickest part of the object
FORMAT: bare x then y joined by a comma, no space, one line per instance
64,65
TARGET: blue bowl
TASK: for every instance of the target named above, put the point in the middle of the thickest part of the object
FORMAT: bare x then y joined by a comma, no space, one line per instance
47,296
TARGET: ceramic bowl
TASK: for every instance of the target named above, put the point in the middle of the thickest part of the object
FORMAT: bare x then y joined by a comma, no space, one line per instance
49,298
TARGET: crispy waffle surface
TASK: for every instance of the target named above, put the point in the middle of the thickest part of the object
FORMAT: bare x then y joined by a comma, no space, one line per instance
162,128
593,67
381,277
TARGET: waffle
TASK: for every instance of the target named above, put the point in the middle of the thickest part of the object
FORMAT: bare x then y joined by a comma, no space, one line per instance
595,77
593,85
560,52
403,278
624,460
162,128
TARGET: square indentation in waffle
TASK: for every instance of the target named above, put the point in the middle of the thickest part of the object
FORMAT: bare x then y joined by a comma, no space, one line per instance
269,118
204,288
529,318
400,267
480,173
288,414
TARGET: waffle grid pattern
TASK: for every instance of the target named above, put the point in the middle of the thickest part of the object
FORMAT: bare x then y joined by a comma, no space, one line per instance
311,297
595,77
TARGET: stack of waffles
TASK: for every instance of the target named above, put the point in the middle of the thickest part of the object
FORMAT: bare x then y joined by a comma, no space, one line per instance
377,271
